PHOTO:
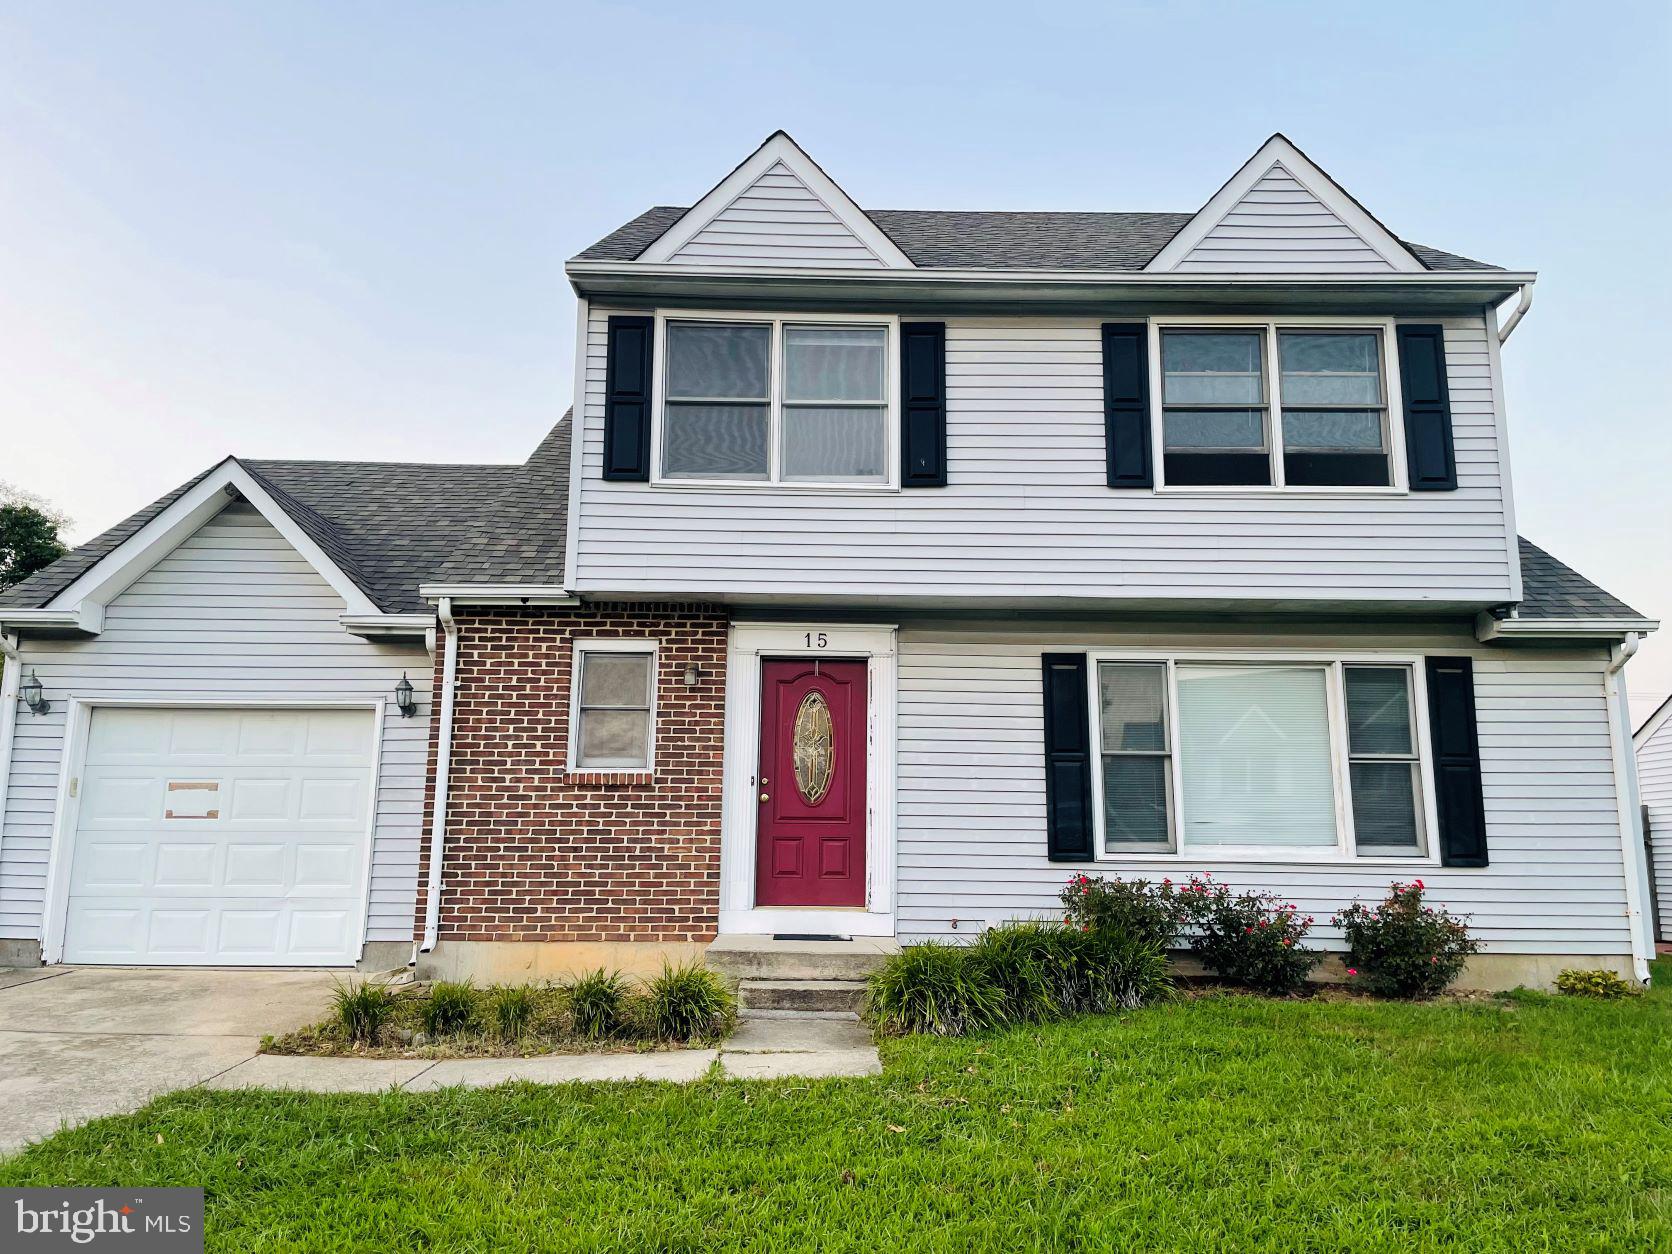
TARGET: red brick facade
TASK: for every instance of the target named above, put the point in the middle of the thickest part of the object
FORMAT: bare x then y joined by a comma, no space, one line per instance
536,854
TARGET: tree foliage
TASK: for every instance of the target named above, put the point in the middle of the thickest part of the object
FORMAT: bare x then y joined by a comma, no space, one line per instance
29,535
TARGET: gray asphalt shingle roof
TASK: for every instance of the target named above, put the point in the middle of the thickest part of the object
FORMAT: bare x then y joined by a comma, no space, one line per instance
392,525
1550,589
966,239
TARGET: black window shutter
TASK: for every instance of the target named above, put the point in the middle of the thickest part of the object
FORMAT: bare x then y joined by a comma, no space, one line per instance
627,398
1431,461
923,404
1126,413
1068,759
1451,731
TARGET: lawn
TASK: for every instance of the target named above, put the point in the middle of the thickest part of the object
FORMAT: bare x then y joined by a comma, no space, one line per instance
1215,1123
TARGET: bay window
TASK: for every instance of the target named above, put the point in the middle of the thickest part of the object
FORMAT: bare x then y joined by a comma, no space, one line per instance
1267,759
1274,405
775,401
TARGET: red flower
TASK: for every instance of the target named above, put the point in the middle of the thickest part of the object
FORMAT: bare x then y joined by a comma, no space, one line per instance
1416,883
1352,970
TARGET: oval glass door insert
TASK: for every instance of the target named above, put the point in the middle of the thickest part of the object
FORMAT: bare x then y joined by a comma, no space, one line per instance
812,743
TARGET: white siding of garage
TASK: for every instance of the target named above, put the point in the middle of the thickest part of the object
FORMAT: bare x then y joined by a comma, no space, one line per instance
235,615
1654,784
971,823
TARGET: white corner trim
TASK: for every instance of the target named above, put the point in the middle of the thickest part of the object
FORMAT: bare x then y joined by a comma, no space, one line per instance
577,428
118,569
749,643
779,147
1279,151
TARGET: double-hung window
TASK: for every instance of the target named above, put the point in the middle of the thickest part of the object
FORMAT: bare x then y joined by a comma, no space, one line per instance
1262,758
1318,417
776,401
613,718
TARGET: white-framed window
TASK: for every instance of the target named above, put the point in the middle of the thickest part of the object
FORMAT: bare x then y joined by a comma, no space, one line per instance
1277,757
757,400
612,720
1260,404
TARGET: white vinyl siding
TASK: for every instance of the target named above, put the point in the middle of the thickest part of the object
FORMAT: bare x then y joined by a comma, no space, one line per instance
234,614
1279,227
971,800
1654,785
777,221
1028,513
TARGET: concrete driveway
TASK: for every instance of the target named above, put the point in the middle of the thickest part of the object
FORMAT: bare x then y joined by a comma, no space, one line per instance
78,1042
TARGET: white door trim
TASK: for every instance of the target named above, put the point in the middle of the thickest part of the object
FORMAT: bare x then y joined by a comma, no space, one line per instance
78,718
749,643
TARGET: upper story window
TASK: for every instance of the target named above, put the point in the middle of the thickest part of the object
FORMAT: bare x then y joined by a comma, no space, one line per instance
1319,419
776,401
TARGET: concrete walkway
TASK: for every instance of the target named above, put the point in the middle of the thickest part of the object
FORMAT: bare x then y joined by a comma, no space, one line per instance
762,1049
80,1042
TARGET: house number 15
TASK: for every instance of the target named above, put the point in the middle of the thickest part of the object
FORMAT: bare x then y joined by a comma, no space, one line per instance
817,640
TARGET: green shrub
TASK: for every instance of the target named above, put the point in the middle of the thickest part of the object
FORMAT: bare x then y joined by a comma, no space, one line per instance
932,988
361,1009
598,1004
1250,938
688,1003
1151,913
451,1007
1597,983
1118,972
1402,948
512,1010
1027,966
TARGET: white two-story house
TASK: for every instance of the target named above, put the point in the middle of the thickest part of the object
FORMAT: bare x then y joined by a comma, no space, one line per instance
892,567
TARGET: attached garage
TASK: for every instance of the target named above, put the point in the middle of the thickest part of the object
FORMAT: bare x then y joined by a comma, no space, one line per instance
235,836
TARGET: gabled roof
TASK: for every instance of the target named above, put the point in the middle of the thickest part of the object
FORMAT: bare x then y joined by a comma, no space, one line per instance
387,525
968,239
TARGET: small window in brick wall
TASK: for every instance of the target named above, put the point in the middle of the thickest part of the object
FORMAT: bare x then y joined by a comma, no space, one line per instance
613,727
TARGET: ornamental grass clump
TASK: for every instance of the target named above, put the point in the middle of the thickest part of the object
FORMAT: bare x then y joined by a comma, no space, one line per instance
1250,938
1151,913
598,1004
1402,947
934,989
360,1010
512,1010
451,1007
688,1003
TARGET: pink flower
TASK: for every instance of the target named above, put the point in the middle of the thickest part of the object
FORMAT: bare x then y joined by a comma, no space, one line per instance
1287,943
1416,883
1352,970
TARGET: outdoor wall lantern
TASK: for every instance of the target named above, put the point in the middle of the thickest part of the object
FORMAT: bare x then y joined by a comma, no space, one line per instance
694,675
32,694
403,697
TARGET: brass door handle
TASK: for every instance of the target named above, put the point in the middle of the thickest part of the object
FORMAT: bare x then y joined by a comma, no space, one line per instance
764,797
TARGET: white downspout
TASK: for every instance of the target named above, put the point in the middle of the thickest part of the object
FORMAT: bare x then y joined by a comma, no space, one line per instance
1631,812
443,757
1518,313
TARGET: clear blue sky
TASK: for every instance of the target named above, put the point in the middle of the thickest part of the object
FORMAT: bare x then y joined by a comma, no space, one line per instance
328,230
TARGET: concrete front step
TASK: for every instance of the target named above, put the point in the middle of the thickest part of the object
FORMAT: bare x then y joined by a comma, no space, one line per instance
768,958
821,996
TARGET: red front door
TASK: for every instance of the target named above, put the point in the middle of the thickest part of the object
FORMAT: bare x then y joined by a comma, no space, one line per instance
810,830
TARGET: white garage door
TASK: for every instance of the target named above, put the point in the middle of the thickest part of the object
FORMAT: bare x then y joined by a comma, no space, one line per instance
231,837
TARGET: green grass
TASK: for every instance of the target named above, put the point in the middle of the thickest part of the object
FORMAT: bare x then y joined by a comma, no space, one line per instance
1219,1123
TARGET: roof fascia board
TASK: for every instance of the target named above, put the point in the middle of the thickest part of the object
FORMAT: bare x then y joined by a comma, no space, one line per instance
498,593
1653,724
778,147
85,619
409,624
117,570
1279,151
1489,628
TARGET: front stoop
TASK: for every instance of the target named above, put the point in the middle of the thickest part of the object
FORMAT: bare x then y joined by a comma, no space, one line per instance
768,958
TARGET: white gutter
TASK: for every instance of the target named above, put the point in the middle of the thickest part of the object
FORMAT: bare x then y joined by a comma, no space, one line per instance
443,757
499,593
11,675
1520,312
1489,628
1630,809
